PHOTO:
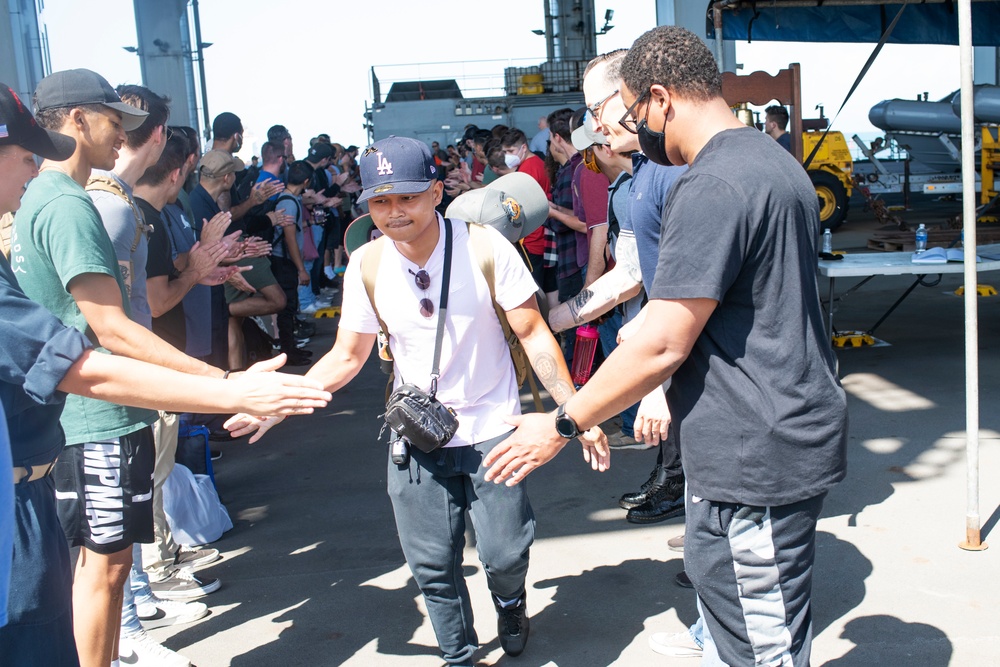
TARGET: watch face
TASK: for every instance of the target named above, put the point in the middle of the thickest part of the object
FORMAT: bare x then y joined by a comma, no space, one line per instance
565,427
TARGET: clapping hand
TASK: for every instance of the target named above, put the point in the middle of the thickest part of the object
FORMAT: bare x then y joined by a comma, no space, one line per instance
264,190
239,282
213,230
280,219
223,274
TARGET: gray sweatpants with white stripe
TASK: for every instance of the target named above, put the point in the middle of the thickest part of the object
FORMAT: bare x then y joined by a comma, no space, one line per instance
752,568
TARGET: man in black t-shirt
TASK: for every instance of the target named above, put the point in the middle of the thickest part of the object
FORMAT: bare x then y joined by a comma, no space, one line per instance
734,318
166,285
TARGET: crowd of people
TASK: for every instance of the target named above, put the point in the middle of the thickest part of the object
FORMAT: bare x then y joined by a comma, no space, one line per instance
674,229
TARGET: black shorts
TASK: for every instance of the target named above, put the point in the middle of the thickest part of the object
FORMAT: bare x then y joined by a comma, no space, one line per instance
104,492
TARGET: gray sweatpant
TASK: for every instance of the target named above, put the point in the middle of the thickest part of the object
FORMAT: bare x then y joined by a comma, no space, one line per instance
429,498
752,568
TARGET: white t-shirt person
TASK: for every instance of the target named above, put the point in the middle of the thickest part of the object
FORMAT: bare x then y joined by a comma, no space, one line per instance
477,377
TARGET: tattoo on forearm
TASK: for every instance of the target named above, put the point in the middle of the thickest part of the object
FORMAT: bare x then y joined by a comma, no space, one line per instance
548,374
577,303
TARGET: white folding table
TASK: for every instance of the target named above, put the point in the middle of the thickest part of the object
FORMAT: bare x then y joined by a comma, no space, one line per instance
874,264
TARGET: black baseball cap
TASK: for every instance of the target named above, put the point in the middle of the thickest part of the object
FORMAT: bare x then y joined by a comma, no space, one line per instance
19,128
77,87
319,152
225,125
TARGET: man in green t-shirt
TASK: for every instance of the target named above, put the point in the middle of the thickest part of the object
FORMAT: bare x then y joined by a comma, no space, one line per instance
64,260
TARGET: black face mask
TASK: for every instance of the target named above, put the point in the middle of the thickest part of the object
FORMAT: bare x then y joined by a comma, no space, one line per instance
652,143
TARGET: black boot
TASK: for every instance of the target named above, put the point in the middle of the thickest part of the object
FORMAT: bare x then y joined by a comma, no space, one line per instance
665,502
636,498
512,625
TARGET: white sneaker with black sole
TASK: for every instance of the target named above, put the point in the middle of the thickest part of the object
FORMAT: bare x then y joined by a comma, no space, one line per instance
140,650
182,585
163,613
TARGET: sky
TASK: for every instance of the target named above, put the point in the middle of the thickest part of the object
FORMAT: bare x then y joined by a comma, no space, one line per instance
306,64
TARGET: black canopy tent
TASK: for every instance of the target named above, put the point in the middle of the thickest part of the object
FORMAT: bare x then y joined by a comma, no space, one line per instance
966,23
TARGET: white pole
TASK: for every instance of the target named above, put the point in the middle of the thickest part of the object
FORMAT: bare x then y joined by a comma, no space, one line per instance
972,523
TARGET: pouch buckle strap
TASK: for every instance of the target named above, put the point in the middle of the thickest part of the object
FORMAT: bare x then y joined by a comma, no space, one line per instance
32,473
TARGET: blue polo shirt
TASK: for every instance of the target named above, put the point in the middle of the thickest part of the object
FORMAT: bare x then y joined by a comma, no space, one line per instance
651,184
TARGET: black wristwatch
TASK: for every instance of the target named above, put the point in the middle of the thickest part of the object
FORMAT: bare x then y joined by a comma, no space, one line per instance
565,425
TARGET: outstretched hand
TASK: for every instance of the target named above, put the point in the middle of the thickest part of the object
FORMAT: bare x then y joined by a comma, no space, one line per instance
265,392
244,424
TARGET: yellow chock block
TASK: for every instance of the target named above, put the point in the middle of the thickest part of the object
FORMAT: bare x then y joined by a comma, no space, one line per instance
981,290
332,311
853,339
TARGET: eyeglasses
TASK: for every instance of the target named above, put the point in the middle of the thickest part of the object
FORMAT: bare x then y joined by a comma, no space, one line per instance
595,110
627,120
423,281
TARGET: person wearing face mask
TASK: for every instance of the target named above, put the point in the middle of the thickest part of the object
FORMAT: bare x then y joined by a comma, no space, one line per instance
734,318
517,157
240,198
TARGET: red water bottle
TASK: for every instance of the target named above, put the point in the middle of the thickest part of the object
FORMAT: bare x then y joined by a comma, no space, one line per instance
583,353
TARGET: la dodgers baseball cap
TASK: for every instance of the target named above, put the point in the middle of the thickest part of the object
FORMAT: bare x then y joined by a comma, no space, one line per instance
77,87
515,205
396,166
19,128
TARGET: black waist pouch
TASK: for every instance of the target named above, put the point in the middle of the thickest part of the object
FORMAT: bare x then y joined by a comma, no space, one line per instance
423,420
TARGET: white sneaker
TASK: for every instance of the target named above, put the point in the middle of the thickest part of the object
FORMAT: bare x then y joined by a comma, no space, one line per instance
140,649
310,309
161,613
678,644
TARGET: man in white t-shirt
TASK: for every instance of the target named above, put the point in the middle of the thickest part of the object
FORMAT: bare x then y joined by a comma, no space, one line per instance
431,491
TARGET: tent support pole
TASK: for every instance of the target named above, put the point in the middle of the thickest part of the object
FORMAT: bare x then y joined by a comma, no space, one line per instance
973,541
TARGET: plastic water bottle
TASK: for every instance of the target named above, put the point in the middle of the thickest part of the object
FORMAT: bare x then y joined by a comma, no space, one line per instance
583,353
921,238
827,241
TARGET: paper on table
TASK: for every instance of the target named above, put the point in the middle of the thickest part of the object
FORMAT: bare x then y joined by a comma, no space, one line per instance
940,256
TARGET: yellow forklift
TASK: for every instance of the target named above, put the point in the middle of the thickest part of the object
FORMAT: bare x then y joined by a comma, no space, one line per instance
830,171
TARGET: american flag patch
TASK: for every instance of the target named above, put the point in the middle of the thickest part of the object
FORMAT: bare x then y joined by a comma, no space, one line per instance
3,132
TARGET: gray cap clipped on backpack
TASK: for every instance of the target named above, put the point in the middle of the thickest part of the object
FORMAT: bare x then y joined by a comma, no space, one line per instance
515,205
